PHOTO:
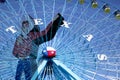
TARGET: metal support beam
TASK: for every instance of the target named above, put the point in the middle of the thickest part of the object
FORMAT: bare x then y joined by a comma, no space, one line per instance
40,68
73,75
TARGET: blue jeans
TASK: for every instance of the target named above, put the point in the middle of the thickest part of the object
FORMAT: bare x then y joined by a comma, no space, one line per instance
23,66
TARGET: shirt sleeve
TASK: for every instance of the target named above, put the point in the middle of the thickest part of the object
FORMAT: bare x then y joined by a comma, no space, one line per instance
34,35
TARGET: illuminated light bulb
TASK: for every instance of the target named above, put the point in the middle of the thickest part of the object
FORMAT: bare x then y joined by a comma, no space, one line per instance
81,1
117,14
94,4
106,8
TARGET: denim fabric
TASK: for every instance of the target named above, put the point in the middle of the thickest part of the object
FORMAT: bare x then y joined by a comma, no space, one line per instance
23,66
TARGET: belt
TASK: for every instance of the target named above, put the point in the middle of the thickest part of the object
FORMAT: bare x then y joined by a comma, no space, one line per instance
22,58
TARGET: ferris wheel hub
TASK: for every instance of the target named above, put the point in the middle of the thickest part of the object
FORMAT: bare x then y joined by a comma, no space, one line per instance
49,52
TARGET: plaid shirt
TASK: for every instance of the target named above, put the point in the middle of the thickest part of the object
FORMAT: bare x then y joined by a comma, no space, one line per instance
23,45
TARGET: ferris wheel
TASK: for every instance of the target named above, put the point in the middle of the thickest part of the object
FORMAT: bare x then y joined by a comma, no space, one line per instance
86,47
